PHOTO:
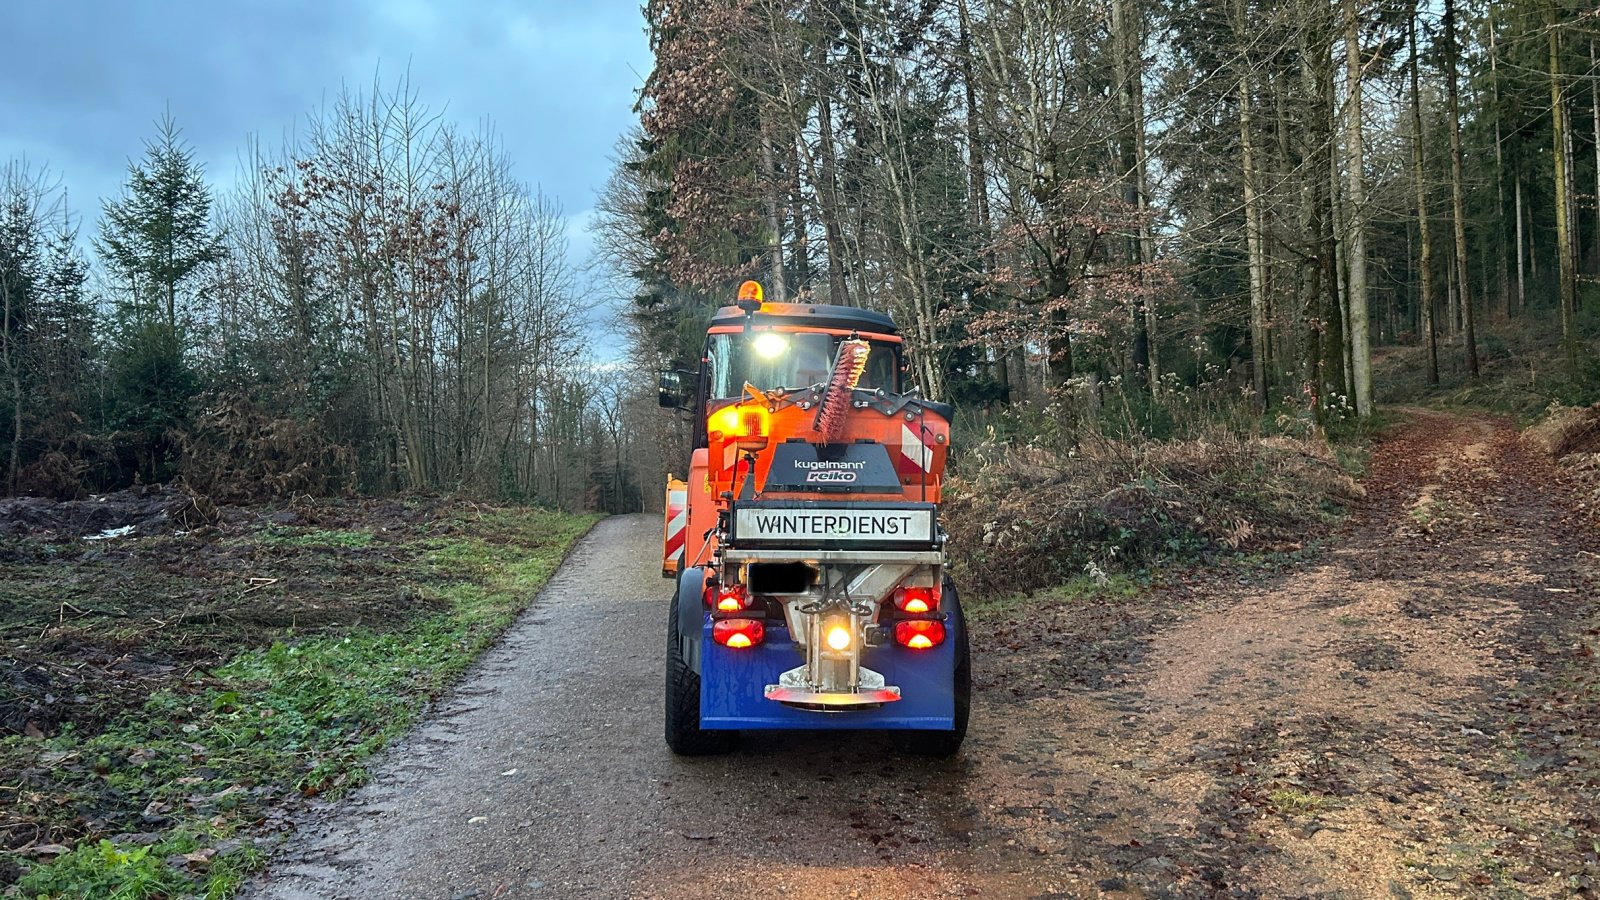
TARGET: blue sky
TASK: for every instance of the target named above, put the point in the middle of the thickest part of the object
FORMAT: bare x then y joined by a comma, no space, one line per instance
82,82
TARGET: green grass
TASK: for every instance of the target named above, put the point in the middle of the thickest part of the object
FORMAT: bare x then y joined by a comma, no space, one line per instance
316,538
300,717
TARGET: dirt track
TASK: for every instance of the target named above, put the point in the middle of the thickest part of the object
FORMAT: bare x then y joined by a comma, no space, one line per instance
1411,713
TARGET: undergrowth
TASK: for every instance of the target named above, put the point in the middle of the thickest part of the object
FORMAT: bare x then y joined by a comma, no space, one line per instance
1080,487
1523,368
171,796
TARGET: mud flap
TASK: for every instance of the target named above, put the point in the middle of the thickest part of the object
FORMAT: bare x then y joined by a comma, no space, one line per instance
691,613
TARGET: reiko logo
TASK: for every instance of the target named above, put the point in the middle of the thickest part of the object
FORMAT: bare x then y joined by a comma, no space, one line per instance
830,472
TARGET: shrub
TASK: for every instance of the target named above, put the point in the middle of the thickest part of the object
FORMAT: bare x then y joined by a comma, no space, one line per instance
1023,518
235,452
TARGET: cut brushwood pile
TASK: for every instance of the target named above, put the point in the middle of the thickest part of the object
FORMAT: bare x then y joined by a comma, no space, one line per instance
1033,518
1571,436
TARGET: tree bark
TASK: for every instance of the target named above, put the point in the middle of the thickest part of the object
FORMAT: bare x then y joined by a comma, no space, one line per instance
1339,282
828,202
1252,226
1522,278
771,191
1502,280
1360,339
799,228
1128,53
1147,246
1419,173
1568,296
1469,343
1594,109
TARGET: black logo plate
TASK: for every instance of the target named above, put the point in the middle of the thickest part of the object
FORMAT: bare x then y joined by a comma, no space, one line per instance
832,468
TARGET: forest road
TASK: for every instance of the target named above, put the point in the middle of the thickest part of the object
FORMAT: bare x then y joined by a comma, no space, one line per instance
1411,711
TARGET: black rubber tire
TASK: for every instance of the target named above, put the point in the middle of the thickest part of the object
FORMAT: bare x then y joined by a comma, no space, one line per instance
684,735
946,743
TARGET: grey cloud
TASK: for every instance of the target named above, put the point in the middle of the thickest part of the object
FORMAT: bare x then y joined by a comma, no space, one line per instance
81,84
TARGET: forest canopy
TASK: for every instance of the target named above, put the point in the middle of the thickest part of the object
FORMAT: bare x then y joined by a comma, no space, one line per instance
1050,195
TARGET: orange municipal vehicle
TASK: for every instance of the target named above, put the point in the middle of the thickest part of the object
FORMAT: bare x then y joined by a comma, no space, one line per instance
804,539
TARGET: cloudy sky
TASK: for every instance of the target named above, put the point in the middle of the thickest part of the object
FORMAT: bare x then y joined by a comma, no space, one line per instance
82,82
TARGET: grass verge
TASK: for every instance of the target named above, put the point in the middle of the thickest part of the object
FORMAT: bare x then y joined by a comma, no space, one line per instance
177,794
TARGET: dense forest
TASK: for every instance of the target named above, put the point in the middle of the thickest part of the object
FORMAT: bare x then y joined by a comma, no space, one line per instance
1066,202
1155,210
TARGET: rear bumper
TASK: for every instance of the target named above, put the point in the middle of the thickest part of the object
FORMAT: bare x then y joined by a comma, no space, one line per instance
733,685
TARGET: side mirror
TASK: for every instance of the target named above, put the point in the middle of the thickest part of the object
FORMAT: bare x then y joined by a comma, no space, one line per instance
677,388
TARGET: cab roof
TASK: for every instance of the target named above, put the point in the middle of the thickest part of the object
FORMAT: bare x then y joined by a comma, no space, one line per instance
809,315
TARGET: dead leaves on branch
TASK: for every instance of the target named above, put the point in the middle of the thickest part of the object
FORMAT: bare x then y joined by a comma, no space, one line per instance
236,452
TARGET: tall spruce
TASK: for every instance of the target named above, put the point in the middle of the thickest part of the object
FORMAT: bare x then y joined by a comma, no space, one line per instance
157,240
158,236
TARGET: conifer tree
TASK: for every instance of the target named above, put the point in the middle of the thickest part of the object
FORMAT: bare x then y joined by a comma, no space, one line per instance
157,241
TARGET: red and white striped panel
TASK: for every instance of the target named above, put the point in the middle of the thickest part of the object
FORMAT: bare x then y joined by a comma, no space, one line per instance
915,456
677,525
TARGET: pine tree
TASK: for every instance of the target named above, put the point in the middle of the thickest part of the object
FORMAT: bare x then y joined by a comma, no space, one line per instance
158,237
157,240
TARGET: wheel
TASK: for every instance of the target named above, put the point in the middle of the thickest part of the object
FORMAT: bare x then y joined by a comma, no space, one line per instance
946,743
684,734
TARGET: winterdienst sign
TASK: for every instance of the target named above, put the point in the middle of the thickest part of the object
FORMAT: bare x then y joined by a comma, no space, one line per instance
759,525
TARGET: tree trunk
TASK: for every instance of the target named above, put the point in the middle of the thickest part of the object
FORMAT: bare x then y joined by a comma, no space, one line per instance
828,204
1469,344
1522,278
1335,349
799,229
1502,280
1129,69
1141,157
1574,217
1594,109
771,191
977,178
1339,308
1360,346
1252,231
14,464
1568,296
1419,173
978,185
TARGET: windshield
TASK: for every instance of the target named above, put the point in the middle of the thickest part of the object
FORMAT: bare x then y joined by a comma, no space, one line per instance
788,359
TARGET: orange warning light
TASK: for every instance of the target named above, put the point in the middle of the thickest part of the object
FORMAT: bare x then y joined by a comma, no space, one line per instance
750,291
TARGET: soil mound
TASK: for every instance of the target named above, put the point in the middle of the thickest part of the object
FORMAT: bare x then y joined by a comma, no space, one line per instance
147,510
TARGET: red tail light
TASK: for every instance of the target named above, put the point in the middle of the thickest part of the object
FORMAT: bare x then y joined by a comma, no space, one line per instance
727,598
738,633
919,634
916,600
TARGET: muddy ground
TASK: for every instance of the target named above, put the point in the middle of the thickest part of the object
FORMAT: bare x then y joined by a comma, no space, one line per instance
106,601
1411,711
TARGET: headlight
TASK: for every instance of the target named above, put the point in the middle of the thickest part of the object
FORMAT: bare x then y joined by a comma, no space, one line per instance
771,345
